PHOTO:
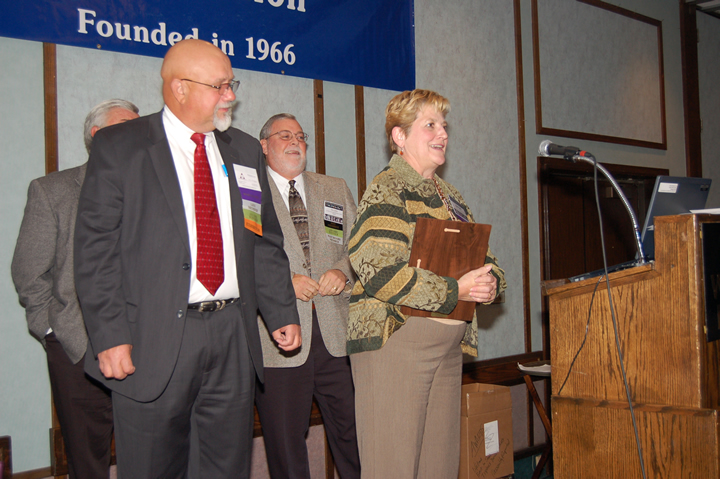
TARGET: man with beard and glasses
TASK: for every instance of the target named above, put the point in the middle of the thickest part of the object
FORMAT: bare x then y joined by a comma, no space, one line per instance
316,213
177,247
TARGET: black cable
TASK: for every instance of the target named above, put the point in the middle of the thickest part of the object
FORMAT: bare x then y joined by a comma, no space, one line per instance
587,329
615,328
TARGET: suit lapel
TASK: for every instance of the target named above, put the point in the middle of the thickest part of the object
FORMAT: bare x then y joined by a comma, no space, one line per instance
314,195
229,154
230,157
80,176
165,169
77,182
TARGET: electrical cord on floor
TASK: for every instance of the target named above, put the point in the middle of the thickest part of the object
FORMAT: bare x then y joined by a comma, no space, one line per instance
615,327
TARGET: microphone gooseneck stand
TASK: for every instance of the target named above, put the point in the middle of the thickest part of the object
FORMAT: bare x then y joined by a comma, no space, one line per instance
573,153
585,156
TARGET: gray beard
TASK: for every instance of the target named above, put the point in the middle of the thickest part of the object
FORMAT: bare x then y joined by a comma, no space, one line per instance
222,124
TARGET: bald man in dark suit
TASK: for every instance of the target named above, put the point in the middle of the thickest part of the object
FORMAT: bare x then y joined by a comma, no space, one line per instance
177,248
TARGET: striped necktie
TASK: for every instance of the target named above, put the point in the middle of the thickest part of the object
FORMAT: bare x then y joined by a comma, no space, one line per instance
298,213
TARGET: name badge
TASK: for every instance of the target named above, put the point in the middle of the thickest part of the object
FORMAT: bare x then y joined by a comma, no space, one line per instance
459,210
251,193
333,217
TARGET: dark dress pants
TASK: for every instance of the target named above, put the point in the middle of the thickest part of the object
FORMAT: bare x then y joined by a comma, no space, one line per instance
201,425
284,403
84,410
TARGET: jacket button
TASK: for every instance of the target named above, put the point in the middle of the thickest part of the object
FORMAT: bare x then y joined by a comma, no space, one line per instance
186,266
180,313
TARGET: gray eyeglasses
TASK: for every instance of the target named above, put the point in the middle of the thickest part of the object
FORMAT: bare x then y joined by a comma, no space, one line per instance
222,88
287,135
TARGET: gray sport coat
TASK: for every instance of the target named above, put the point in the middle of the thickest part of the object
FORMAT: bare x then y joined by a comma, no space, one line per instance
42,266
332,311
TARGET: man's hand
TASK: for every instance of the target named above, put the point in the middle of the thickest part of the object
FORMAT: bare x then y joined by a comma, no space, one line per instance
288,337
305,287
332,282
115,363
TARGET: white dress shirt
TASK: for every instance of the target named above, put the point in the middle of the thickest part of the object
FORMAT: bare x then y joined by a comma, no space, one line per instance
283,185
183,152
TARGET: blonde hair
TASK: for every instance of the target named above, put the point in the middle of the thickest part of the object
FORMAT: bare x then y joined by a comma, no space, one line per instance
404,108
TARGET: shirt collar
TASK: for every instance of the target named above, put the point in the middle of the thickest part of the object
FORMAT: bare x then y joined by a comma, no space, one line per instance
284,185
179,130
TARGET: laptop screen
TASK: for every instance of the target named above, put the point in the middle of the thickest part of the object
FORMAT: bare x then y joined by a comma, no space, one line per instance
672,195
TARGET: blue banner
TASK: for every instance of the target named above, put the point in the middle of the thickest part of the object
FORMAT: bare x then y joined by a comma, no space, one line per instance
360,42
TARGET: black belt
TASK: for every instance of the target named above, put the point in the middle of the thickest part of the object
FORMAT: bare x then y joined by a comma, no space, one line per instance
210,306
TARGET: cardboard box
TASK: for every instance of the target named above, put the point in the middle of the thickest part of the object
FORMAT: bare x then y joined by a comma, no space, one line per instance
486,448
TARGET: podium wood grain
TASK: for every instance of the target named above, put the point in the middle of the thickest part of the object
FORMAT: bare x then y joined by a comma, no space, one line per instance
670,367
598,441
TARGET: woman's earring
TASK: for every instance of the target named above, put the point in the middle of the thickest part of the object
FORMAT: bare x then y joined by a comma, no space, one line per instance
402,151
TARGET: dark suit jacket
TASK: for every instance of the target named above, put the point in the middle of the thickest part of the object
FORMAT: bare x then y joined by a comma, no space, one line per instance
132,253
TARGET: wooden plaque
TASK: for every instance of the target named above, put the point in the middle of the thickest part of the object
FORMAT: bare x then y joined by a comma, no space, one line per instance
448,248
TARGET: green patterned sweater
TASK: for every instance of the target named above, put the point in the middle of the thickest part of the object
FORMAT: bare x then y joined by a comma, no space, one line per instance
379,249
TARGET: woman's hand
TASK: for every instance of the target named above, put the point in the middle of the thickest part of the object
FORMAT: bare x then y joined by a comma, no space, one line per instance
478,285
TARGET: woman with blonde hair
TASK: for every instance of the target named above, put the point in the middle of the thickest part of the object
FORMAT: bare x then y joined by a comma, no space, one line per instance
407,369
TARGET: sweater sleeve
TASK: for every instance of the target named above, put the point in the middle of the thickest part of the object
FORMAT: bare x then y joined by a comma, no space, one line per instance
380,249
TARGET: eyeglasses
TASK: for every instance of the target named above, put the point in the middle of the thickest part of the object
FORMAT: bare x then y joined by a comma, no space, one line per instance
222,88
286,135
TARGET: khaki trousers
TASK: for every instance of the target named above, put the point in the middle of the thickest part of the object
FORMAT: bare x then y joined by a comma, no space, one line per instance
407,403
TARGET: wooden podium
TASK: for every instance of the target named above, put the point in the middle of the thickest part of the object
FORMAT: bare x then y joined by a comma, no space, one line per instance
672,370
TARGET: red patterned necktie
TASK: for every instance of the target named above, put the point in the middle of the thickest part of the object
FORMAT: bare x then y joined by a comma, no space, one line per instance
210,265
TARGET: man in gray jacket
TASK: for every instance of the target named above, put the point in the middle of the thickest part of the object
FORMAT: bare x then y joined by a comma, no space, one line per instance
316,213
42,269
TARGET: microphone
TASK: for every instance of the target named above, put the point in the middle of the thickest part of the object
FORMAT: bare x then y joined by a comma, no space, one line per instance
548,148
573,153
